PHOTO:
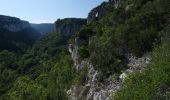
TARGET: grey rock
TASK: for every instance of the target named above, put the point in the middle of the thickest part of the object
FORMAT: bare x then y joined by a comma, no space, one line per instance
69,26
100,10
13,24
135,64
95,90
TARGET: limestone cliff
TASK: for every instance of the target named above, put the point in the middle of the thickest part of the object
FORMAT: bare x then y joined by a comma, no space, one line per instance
69,26
12,24
93,88
100,10
15,33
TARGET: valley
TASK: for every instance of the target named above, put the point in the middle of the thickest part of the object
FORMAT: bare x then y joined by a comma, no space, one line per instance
119,52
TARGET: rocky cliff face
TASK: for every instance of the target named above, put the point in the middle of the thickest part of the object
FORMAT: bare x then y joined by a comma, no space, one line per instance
13,24
69,26
100,10
93,88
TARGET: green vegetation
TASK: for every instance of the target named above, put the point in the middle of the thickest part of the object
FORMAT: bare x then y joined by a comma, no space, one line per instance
26,89
153,82
80,77
18,41
42,73
45,71
132,28
85,32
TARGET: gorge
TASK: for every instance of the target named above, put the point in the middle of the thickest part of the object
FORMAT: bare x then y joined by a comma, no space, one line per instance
119,52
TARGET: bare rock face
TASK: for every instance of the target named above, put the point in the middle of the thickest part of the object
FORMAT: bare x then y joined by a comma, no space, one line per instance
100,10
93,89
13,24
14,32
114,3
135,64
69,26
73,49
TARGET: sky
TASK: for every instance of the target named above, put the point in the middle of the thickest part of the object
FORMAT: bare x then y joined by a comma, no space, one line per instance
47,11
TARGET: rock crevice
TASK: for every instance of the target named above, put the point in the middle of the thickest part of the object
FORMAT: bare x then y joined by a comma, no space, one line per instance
93,88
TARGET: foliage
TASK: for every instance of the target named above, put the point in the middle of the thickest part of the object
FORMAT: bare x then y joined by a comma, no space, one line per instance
83,52
8,59
46,70
153,82
27,89
18,41
60,77
80,77
105,57
121,31
8,74
85,32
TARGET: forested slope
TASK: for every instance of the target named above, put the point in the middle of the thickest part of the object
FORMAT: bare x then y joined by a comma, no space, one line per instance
100,53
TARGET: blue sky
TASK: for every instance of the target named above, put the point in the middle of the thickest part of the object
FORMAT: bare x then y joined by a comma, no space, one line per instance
47,11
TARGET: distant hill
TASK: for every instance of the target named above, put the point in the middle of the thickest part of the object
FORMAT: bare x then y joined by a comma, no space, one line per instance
16,33
120,52
44,27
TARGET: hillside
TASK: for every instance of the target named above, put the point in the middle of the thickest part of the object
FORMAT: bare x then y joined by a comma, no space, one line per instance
120,52
16,34
69,26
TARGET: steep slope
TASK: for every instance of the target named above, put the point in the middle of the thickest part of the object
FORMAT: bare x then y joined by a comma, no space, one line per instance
47,65
69,26
103,54
44,28
15,33
153,81
112,42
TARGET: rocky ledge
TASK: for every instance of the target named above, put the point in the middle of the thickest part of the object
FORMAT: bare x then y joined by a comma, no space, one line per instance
93,88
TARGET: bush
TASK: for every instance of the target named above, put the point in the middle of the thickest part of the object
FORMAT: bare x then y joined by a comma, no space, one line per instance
83,52
104,57
27,89
151,83
85,32
80,78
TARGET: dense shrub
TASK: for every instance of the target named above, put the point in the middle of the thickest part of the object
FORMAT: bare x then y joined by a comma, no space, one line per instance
80,77
105,57
27,89
46,71
83,52
85,32
60,78
153,82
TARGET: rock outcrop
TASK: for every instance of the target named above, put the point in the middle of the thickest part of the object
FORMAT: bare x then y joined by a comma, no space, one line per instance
15,33
73,49
93,88
100,10
96,90
13,24
69,26
135,64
